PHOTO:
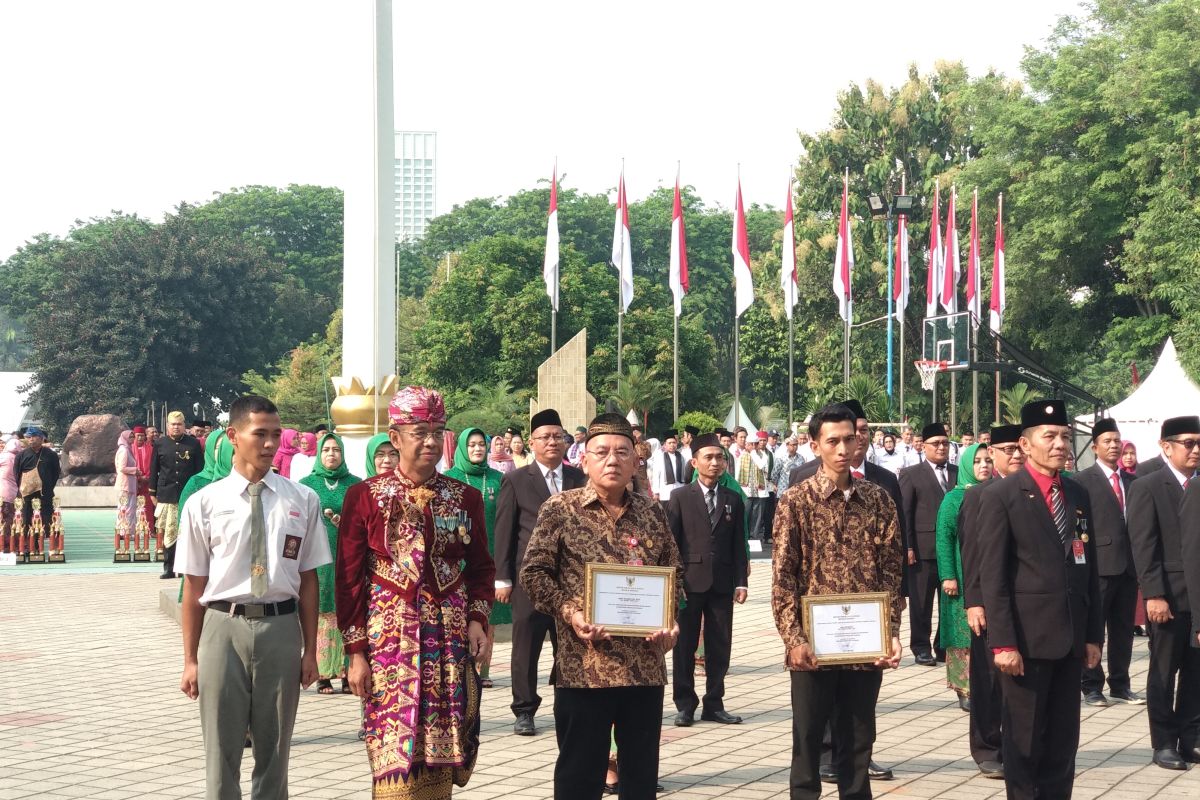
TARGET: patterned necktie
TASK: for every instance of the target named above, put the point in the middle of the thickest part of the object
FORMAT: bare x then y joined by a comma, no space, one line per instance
553,482
1060,511
941,473
258,542
710,497
1116,482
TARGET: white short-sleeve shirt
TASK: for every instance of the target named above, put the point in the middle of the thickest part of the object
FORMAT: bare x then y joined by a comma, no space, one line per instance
214,538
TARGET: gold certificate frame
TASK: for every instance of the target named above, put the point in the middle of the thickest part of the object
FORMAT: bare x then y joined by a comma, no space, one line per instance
629,600
848,628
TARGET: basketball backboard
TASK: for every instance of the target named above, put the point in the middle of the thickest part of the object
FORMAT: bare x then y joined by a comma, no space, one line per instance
947,338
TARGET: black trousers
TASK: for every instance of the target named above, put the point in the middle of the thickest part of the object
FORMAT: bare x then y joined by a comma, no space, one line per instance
583,720
755,510
1118,598
529,630
1040,728
769,515
985,703
815,695
716,610
46,513
1173,685
922,597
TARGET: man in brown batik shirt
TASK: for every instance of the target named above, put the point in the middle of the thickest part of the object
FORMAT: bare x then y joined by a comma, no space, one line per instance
834,535
602,681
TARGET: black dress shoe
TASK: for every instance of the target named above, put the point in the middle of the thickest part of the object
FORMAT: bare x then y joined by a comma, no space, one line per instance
879,773
524,725
1138,630
964,703
1095,699
611,788
1169,759
991,769
1190,754
1127,696
721,716
925,659
828,773
684,719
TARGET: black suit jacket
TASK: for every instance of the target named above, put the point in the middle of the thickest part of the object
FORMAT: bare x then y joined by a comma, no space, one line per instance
714,559
968,543
522,493
1150,465
1154,515
922,495
1189,518
1038,599
1114,554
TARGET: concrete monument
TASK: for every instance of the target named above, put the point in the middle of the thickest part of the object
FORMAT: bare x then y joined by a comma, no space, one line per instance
562,384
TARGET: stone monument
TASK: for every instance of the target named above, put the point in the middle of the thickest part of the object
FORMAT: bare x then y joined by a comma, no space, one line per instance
562,384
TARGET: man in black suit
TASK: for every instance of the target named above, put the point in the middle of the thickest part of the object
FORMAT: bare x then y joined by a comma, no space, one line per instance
1041,593
1158,533
984,729
708,523
522,493
860,469
922,487
1108,487
1148,466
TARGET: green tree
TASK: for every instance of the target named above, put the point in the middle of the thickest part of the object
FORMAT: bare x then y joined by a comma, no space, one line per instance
640,389
300,383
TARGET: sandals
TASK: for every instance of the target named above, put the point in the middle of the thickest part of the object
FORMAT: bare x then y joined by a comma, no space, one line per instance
324,686
486,683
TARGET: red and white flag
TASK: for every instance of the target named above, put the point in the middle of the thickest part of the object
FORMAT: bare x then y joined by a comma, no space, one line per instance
787,270
951,267
843,260
679,267
900,280
550,264
622,256
974,301
997,305
933,275
743,282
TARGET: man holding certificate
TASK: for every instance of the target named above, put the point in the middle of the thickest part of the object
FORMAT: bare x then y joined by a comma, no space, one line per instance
602,562
836,595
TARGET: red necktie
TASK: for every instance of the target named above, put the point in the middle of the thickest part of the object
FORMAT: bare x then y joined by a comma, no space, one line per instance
1116,482
858,476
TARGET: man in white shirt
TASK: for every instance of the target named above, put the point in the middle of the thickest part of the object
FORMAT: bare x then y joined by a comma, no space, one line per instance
917,454
575,451
249,546
666,469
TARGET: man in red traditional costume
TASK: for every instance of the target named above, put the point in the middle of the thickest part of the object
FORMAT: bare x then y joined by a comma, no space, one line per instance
414,587
143,449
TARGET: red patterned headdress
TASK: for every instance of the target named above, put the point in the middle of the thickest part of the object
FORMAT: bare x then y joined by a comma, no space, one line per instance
414,404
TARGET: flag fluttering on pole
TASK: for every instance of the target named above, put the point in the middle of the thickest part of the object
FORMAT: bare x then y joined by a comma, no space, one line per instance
787,269
843,260
550,264
900,283
679,265
997,305
974,300
933,275
743,283
622,256
951,266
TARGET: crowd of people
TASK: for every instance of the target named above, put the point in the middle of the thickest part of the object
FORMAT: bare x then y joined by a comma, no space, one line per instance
399,578
29,472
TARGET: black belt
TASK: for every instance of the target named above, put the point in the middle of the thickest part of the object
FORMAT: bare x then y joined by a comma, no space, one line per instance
254,610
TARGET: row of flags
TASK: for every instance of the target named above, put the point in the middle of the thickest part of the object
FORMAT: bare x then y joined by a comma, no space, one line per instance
942,277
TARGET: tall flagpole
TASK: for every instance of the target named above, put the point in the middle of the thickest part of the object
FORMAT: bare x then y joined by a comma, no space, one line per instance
849,302
737,361
788,297
675,319
903,179
620,299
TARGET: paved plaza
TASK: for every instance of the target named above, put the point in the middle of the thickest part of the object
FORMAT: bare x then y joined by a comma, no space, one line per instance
91,708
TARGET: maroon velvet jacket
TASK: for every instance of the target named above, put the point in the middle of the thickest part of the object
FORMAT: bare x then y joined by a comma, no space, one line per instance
407,537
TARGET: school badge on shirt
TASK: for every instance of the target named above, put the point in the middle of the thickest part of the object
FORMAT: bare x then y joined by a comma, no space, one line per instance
291,547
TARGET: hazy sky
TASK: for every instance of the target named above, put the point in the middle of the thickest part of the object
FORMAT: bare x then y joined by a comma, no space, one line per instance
138,106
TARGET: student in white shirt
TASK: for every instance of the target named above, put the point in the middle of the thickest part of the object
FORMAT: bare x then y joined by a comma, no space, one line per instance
666,468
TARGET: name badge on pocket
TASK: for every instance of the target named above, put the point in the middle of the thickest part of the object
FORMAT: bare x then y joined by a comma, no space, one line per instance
291,547
1077,550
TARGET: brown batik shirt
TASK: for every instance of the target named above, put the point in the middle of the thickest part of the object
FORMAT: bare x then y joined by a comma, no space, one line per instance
572,529
826,543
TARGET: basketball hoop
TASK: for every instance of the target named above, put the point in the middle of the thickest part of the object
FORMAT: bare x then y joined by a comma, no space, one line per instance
929,370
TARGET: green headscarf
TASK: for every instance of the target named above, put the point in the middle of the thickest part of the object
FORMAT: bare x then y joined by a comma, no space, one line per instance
372,445
949,557
320,470
462,462
218,463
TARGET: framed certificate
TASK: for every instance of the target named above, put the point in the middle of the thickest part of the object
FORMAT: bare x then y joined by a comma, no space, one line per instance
848,628
629,600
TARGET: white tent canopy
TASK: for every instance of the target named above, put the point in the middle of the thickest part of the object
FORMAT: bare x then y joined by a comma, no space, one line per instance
1166,392
743,420
14,406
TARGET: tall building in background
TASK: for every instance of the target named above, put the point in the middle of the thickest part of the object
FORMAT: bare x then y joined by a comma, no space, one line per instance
416,183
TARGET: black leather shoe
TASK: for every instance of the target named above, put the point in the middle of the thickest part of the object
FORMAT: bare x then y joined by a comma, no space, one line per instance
1138,630
1095,699
964,703
1190,754
991,769
828,773
1127,696
612,788
524,725
721,716
925,659
1169,759
684,719
879,773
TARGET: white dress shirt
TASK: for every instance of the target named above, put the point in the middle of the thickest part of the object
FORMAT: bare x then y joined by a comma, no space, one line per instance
1179,476
558,473
214,538
658,474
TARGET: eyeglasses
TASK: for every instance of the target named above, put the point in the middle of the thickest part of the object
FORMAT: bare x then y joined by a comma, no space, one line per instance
602,455
1187,444
1007,449
424,436
548,437
937,444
